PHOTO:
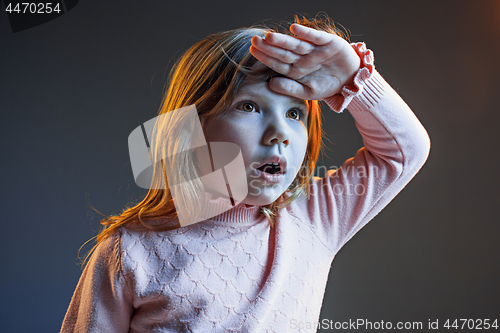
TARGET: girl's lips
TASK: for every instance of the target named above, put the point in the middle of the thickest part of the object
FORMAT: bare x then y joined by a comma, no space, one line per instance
281,160
270,178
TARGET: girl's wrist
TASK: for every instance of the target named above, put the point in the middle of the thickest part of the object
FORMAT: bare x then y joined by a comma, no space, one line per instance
366,61
339,102
355,63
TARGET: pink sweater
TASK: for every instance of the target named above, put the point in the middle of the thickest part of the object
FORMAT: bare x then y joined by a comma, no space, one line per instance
234,273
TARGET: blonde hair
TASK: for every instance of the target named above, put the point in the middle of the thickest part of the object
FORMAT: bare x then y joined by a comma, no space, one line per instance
208,75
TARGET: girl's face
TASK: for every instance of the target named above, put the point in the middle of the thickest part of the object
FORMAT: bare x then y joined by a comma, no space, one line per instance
271,131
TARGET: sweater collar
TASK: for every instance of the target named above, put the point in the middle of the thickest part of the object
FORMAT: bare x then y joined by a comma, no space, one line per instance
238,214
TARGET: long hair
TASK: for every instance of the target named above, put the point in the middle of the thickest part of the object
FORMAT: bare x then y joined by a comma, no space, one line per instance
209,75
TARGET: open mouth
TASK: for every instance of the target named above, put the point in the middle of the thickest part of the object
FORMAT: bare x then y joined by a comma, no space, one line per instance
272,168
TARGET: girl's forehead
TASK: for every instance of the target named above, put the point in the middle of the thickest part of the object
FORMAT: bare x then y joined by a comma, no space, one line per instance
259,89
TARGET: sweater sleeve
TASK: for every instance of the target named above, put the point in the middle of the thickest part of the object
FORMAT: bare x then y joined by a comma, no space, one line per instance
395,147
102,301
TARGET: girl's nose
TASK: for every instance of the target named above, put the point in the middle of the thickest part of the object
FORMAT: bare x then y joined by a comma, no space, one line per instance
277,133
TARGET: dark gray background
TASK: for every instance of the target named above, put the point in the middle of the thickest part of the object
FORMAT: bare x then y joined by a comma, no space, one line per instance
73,89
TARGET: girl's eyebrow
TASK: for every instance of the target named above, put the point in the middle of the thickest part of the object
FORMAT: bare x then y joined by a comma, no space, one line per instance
251,94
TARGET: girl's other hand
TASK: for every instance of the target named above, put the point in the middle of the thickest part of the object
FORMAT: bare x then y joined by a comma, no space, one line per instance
317,64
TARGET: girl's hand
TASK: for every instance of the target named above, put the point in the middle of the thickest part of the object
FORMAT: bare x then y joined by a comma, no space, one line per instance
316,64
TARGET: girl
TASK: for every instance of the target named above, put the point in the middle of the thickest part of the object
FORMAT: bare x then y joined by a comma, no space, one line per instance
261,266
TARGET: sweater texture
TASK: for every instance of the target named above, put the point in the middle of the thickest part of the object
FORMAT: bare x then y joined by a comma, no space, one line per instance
235,273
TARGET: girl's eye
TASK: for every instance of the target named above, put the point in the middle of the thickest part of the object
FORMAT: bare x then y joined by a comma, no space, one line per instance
294,114
247,107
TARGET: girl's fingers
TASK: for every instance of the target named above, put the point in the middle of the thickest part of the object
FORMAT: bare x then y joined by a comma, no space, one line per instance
273,51
314,36
271,62
286,86
289,43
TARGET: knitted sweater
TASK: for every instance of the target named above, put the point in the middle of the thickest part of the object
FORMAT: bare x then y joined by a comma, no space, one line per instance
235,273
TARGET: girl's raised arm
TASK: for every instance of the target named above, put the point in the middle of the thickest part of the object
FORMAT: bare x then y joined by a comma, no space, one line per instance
323,66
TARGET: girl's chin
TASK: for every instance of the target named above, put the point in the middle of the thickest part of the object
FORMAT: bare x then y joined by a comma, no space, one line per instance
260,200
264,194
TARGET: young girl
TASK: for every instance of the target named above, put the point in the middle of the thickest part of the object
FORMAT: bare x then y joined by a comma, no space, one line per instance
262,265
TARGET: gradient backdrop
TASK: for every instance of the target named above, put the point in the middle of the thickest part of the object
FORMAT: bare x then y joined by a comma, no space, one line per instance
72,90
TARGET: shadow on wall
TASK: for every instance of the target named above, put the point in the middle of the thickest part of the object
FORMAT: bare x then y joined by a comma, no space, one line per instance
26,15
